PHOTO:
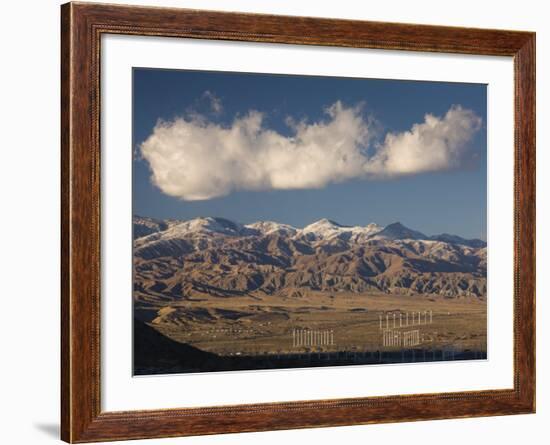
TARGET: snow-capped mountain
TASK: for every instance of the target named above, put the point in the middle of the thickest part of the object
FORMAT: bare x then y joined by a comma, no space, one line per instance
269,227
322,229
146,226
326,229
183,257
207,225
454,239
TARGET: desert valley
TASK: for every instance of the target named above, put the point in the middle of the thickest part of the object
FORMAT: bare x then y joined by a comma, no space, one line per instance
238,294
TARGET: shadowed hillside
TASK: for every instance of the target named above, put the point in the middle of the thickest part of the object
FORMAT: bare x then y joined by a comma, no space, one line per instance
155,353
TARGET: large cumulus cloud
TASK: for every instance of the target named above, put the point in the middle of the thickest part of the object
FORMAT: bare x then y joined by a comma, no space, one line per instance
193,158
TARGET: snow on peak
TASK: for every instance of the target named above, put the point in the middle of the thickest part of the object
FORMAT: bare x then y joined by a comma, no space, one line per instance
325,228
205,225
143,226
270,227
323,225
372,228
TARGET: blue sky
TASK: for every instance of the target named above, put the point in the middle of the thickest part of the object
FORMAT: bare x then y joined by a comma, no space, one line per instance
439,189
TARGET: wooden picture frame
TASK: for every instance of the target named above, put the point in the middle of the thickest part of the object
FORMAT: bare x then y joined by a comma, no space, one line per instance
82,25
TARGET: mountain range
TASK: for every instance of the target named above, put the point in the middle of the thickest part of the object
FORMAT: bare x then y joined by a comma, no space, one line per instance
215,257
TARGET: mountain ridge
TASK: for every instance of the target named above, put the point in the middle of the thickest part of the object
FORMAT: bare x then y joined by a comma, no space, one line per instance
322,227
206,257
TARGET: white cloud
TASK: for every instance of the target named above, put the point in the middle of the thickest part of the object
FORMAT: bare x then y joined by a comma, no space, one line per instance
435,144
192,158
214,101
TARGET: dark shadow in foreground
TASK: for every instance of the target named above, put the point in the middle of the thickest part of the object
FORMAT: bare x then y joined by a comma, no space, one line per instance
154,353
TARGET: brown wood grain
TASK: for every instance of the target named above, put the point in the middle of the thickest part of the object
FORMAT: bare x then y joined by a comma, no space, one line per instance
81,28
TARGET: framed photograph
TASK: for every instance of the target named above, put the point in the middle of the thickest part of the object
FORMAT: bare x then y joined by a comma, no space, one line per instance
275,222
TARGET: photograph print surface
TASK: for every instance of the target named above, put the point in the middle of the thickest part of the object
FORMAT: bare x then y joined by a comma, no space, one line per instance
285,221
